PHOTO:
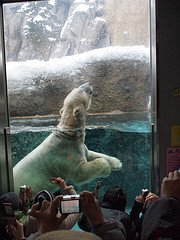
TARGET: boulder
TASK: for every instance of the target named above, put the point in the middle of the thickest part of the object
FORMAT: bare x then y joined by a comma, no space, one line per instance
120,78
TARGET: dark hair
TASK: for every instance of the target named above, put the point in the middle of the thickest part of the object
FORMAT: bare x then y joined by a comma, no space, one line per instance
9,197
114,198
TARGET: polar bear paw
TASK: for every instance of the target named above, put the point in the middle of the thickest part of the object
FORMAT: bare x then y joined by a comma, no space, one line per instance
115,164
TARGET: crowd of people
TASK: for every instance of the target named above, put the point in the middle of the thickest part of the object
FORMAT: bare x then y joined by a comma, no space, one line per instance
151,218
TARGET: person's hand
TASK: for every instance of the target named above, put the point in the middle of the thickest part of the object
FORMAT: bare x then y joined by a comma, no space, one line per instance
22,197
140,198
61,183
16,230
171,185
47,217
29,193
92,208
151,197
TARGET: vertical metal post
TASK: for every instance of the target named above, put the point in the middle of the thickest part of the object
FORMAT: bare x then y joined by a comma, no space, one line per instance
8,158
6,180
152,159
154,147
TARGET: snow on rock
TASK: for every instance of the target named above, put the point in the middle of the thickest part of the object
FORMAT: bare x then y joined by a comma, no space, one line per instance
20,73
119,75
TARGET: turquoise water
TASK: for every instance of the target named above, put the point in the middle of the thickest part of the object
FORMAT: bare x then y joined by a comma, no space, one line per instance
118,136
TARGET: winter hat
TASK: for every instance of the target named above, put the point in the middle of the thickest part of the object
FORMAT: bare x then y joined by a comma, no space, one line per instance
114,198
41,196
68,234
10,197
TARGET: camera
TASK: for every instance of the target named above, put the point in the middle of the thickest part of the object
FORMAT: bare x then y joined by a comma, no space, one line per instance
53,180
9,213
70,204
145,193
23,188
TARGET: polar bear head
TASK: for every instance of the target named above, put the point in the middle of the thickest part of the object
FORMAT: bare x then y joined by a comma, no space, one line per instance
75,106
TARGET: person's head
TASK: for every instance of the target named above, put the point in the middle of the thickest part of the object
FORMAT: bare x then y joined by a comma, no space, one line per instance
41,196
114,198
10,197
67,234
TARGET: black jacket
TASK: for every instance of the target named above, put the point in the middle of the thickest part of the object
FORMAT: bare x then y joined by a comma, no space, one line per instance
162,220
137,209
111,214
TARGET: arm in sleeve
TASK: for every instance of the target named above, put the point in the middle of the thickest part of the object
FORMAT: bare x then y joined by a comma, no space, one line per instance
136,210
84,224
162,219
110,230
69,191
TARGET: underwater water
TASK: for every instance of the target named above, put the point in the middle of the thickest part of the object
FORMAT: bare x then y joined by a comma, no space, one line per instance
117,135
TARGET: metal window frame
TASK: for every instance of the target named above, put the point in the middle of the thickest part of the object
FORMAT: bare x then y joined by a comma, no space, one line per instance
6,170
6,177
6,173
155,187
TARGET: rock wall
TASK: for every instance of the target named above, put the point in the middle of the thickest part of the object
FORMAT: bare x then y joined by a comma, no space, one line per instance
43,31
128,22
65,32
120,78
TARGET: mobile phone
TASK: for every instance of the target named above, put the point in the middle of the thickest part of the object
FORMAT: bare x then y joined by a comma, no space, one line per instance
9,212
10,215
70,204
52,180
145,193
96,190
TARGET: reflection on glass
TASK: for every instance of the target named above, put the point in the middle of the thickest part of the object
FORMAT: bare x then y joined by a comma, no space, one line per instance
53,47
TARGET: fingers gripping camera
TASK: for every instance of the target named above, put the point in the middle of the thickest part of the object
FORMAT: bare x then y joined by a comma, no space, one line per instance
70,204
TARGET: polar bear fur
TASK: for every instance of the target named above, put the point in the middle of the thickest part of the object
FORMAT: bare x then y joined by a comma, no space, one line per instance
63,153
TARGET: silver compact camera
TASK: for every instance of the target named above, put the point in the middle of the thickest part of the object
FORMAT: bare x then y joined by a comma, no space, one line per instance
70,204
23,188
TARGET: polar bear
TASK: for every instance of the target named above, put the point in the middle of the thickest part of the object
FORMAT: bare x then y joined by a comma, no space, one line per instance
63,153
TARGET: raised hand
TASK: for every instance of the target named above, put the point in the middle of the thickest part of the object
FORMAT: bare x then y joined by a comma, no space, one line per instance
29,193
47,217
92,208
16,230
171,185
151,197
61,183
140,198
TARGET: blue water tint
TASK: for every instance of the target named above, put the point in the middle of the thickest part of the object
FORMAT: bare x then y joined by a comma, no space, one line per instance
130,126
129,122
136,126
118,136
76,228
